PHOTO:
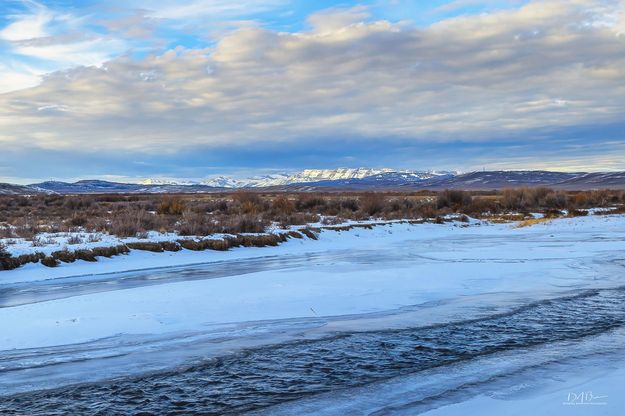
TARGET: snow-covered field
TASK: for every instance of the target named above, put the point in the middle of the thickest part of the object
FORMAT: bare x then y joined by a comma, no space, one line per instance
154,311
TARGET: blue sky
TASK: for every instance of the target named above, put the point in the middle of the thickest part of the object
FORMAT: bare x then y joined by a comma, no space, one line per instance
137,88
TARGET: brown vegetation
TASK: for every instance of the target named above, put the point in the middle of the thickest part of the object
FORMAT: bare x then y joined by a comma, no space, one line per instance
252,212
4,253
247,212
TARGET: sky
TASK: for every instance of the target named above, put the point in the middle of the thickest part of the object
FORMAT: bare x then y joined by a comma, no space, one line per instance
133,89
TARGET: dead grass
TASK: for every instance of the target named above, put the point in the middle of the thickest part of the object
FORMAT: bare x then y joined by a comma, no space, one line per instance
533,221
251,212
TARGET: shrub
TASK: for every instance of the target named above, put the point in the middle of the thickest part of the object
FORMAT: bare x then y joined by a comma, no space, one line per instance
65,256
6,232
75,239
256,240
78,221
29,258
481,206
130,223
349,204
309,233
147,246
195,223
156,247
555,200
454,199
579,200
372,203
306,202
283,205
85,255
295,234
553,213
427,211
243,197
201,245
297,218
515,199
192,245
49,261
109,251
171,206
245,224
577,213
249,207
90,255
4,253
9,263
170,246
105,251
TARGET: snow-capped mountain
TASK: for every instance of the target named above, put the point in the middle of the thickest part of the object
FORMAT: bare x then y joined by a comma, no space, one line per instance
161,182
253,182
361,179
314,175
317,175
223,182
275,179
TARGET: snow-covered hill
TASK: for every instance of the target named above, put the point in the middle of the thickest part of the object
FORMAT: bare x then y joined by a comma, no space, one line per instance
319,175
222,182
161,182
10,189
253,182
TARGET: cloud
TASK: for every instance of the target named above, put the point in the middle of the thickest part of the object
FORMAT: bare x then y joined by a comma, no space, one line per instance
38,41
28,26
192,9
474,78
15,75
456,5
333,20
44,39
79,52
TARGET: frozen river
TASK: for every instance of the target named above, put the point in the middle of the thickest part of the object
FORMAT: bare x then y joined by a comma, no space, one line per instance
401,319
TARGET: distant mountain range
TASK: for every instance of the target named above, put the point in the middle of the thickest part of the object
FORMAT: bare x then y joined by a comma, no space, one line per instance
313,176
361,179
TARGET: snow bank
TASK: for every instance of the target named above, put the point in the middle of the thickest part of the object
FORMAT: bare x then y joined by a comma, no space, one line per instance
386,268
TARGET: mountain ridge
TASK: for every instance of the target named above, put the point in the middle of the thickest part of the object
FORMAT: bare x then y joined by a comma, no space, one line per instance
316,175
361,179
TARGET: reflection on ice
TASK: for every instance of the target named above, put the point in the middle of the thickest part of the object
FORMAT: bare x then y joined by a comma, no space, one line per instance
534,380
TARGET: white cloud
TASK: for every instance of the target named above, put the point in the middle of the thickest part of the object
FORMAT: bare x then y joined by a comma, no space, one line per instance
41,41
543,65
454,5
28,26
334,20
176,9
68,55
17,78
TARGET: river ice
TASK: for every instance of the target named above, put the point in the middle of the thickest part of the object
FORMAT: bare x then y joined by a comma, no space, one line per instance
149,312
